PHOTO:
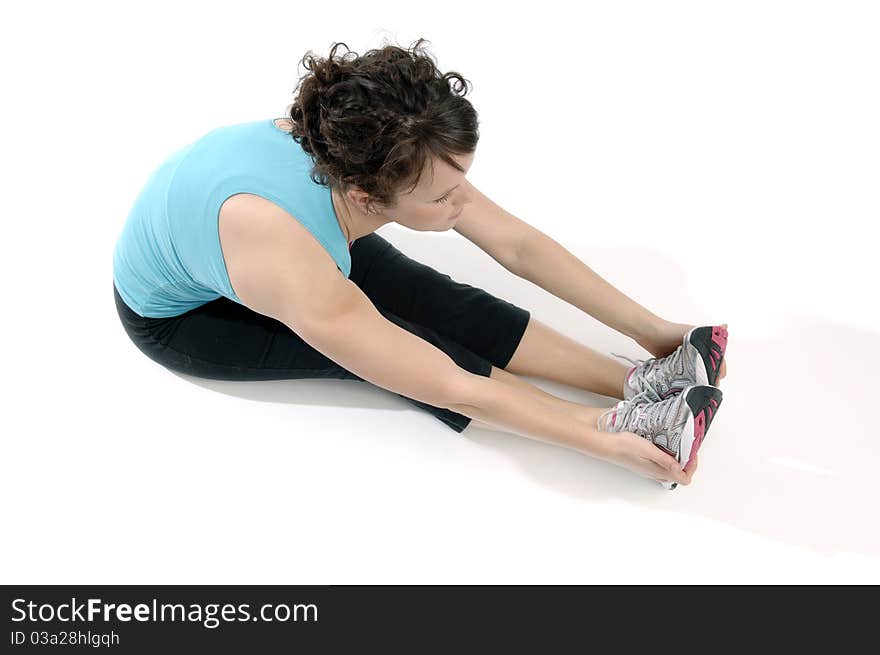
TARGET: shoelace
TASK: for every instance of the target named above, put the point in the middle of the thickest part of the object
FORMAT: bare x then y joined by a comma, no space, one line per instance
647,419
654,367
653,418
621,405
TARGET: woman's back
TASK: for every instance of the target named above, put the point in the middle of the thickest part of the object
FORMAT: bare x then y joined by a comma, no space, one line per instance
168,258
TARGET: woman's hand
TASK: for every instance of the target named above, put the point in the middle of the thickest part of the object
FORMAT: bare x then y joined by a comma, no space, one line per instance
639,455
665,337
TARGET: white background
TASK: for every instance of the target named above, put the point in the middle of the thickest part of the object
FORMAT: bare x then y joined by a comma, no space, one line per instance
718,162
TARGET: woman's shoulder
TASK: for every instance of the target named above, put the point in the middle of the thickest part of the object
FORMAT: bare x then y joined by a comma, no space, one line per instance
266,249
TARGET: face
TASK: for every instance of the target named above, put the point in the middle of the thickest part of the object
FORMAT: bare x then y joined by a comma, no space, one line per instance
433,204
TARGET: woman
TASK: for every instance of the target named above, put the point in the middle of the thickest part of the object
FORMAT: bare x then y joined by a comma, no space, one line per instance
251,254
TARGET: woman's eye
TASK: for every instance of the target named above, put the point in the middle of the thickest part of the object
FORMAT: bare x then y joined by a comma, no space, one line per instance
443,199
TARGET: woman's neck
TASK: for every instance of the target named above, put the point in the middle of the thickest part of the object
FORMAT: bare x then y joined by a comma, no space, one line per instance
352,221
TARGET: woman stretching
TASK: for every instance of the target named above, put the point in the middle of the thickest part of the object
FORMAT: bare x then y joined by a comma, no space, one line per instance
251,254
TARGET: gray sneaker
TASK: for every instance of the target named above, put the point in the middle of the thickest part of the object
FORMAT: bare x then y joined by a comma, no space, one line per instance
676,425
696,361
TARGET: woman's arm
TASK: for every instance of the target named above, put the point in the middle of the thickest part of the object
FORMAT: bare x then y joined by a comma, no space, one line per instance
340,321
545,262
278,270
333,315
529,253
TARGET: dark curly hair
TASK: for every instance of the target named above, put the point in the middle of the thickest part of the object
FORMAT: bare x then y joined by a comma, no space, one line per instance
373,120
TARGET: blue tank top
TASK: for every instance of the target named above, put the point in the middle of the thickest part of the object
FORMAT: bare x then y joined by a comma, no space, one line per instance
167,259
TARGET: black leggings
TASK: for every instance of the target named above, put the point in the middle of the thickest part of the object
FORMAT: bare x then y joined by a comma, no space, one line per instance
223,340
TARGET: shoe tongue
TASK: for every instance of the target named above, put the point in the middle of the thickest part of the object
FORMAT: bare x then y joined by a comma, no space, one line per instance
648,415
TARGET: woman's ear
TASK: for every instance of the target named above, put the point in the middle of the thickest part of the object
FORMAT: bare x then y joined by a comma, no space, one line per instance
358,197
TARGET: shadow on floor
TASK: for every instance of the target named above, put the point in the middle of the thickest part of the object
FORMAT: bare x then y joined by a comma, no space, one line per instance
791,456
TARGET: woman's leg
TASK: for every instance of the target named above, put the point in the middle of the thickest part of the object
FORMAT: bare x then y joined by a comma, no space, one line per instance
481,322
223,340
545,353
506,335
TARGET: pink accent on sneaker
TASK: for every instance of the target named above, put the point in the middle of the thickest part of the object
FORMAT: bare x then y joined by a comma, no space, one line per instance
699,433
719,336
613,417
630,374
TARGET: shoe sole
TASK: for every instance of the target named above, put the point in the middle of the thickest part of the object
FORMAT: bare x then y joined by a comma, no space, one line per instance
710,342
703,402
